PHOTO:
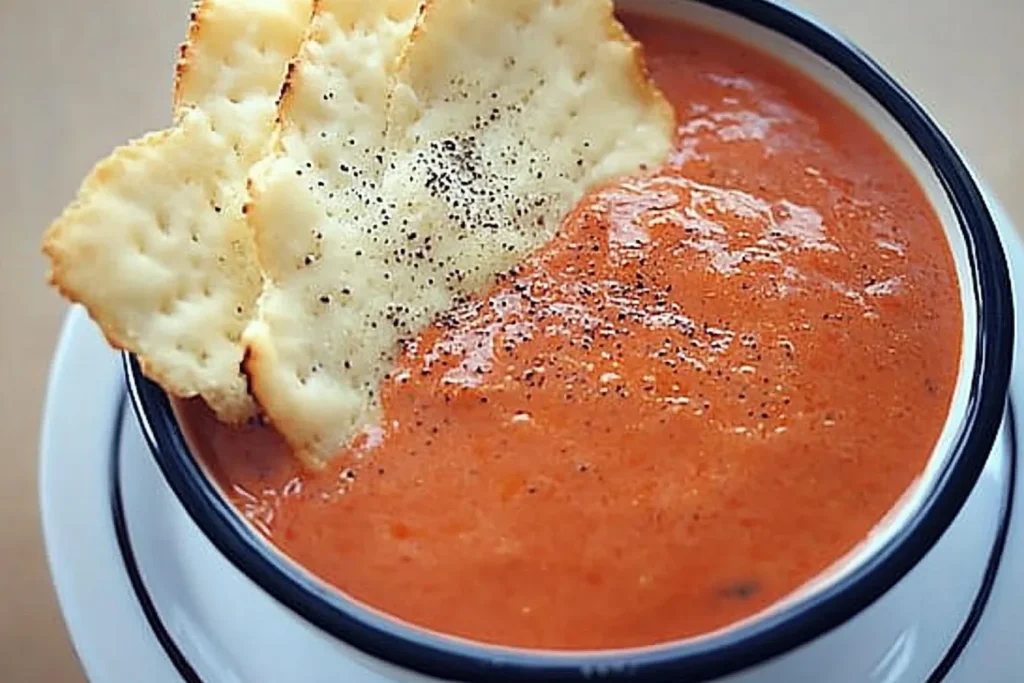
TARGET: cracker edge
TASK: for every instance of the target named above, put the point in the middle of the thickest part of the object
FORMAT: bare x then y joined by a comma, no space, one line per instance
196,26
257,351
642,74
254,346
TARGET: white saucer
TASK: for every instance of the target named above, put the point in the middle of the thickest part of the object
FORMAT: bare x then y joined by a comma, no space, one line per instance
115,641
107,626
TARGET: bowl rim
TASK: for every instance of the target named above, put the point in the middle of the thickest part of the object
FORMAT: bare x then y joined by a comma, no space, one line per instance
768,636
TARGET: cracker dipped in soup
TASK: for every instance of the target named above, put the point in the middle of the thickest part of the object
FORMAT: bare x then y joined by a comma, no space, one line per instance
522,322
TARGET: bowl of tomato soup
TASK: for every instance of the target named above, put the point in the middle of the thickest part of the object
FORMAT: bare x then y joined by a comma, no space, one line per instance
722,414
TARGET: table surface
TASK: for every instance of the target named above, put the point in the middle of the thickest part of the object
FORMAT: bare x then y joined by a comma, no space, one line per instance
81,77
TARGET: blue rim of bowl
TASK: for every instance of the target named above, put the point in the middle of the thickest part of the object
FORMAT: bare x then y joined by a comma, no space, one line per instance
435,655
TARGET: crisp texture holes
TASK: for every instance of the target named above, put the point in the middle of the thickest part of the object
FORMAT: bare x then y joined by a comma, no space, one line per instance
163,220
139,242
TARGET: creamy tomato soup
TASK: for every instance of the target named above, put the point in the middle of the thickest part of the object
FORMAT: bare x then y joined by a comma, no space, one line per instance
709,387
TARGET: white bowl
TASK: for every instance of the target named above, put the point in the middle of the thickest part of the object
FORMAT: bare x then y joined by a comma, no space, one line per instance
882,613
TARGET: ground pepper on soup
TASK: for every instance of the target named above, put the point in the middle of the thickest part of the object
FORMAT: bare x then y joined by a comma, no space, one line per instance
708,388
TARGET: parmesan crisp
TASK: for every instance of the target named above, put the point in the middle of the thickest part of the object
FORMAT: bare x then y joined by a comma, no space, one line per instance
155,245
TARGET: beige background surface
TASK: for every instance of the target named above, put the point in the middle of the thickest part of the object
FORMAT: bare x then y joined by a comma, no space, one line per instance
80,76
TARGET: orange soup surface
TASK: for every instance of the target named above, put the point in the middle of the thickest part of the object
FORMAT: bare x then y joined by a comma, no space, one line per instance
708,388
